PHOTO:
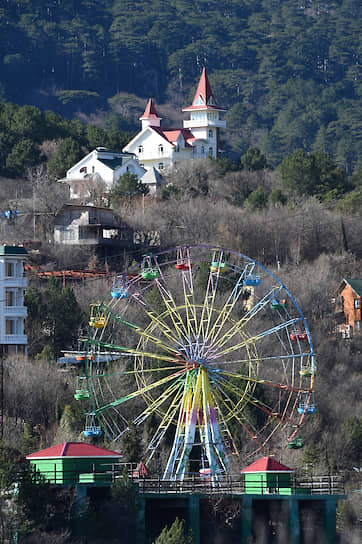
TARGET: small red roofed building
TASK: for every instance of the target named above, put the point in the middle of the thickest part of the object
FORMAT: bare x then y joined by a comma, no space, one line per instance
140,471
266,476
75,463
347,307
161,147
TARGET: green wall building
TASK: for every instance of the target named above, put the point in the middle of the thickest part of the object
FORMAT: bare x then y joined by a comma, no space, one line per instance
76,463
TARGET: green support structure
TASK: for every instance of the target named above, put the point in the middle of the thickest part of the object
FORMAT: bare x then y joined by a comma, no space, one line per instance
330,520
246,520
293,521
193,515
141,521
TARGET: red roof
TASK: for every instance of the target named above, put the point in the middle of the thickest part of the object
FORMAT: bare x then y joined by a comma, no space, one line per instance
267,464
203,99
171,134
73,449
150,111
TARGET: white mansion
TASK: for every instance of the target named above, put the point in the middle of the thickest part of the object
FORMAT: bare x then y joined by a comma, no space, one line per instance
161,147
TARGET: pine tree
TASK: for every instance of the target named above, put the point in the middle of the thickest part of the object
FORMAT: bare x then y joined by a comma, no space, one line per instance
175,534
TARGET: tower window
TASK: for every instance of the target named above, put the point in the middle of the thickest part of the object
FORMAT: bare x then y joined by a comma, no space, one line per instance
140,149
202,150
160,148
210,151
210,133
160,165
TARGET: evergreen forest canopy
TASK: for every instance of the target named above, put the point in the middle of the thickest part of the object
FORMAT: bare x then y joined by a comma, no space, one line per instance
289,72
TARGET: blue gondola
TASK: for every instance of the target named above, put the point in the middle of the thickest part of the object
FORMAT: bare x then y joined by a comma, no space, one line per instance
120,288
306,407
252,281
91,428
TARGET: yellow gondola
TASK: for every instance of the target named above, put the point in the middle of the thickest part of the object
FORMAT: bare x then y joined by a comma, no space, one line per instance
97,318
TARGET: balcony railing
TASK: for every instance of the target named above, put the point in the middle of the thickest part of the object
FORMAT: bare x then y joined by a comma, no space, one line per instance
15,281
15,339
15,311
205,123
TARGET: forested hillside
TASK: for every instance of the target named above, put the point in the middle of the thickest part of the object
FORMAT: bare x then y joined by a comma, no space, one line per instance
289,72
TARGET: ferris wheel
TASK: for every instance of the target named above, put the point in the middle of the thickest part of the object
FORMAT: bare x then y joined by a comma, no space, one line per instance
210,347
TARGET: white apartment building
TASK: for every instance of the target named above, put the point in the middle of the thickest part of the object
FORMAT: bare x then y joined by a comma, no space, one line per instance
12,310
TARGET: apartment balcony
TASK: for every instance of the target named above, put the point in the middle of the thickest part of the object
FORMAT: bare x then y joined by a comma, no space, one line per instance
14,339
15,311
15,281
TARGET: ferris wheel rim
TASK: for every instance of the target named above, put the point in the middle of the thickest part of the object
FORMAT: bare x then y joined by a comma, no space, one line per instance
259,266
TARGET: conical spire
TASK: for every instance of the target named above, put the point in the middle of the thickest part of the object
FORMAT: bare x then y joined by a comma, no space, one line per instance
150,118
150,111
204,97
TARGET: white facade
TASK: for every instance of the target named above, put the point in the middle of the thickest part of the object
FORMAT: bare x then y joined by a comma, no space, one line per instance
97,173
12,310
161,148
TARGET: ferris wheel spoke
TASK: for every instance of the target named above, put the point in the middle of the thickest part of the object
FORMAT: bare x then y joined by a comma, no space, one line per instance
260,359
217,341
262,382
172,335
141,331
166,421
253,339
257,403
181,327
135,352
229,305
121,373
230,406
159,401
185,265
140,392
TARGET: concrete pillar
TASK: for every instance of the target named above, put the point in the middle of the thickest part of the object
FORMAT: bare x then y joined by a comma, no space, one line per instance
329,520
293,521
246,520
193,517
141,521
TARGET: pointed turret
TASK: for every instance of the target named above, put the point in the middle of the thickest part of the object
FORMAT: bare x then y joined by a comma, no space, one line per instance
150,116
204,98
204,121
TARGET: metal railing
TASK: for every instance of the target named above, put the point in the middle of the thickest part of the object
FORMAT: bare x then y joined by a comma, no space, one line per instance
221,485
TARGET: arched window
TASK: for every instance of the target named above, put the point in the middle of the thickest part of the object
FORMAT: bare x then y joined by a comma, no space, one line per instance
160,149
140,149
210,133
160,165
210,151
202,150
